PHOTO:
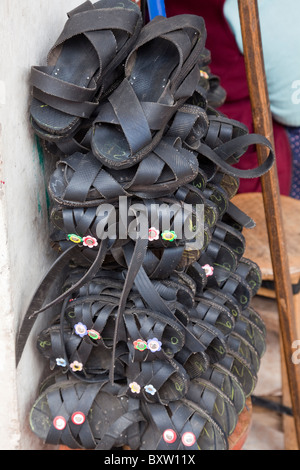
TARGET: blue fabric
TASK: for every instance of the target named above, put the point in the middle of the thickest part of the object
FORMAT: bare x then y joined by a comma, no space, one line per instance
294,138
280,33
156,8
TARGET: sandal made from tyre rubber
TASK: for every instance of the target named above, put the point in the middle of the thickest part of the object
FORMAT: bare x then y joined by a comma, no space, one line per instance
161,72
228,153
218,262
156,381
215,314
181,425
252,333
147,334
218,196
254,317
200,336
225,152
236,218
86,335
89,360
176,247
215,402
251,272
82,64
228,383
176,299
218,296
237,343
209,92
193,196
236,286
79,142
80,180
241,369
92,257
222,129
229,183
247,274
192,124
87,416
232,237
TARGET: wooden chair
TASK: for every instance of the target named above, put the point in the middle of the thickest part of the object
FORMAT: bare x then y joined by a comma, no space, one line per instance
257,249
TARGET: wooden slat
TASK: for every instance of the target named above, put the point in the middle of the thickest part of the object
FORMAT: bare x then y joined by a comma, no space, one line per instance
262,119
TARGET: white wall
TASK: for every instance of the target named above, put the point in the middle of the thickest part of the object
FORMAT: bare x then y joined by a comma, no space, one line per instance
28,29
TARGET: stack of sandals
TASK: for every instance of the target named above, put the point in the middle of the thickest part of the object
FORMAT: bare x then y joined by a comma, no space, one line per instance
151,341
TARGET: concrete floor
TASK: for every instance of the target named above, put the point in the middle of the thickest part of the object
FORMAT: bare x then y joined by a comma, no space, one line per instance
266,432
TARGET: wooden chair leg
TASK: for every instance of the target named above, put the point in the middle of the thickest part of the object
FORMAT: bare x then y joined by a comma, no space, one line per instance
262,120
297,313
290,437
288,422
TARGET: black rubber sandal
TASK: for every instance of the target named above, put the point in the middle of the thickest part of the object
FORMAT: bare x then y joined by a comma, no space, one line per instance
156,381
218,262
222,129
229,183
228,383
155,86
215,402
239,289
240,345
181,425
252,333
232,237
88,359
80,180
241,369
87,416
215,314
76,237
147,334
218,296
82,65
254,317
250,271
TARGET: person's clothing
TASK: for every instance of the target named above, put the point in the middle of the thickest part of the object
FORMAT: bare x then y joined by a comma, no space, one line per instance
280,35
227,62
294,138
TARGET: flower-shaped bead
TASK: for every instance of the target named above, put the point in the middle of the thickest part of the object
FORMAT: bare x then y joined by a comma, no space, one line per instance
93,334
74,238
140,344
80,329
154,345
76,366
153,234
209,270
61,362
135,387
168,235
150,389
89,241
204,74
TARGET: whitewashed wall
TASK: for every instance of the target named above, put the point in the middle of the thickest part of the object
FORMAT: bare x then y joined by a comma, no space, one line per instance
28,29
